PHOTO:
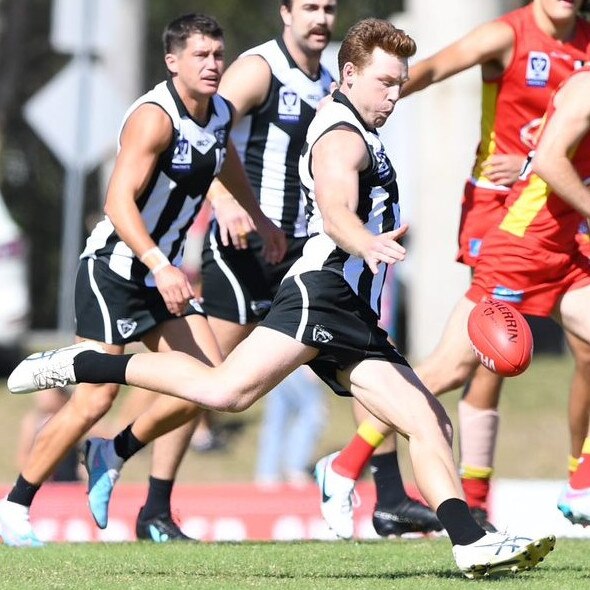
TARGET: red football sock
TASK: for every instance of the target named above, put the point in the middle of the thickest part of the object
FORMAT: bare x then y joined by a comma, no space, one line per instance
353,458
581,476
476,491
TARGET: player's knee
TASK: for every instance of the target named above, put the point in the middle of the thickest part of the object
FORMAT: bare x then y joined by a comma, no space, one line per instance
98,401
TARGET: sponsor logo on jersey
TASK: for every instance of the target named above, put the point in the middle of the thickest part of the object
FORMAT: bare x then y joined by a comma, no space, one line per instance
320,334
289,105
205,142
505,294
537,69
126,326
183,156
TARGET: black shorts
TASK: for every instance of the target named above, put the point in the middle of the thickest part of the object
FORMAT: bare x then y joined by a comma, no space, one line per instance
239,285
113,310
319,309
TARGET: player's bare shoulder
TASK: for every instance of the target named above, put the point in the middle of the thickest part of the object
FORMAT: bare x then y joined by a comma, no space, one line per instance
148,125
246,83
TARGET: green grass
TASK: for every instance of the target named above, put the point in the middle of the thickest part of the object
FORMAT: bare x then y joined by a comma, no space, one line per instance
409,565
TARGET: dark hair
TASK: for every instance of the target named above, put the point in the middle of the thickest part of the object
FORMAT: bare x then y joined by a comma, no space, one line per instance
180,29
287,4
362,38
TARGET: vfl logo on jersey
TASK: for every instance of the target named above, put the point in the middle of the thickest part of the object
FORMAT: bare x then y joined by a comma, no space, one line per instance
126,327
182,156
289,105
320,334
537,69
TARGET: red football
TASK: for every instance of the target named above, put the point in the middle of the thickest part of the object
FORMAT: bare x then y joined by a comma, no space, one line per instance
500,337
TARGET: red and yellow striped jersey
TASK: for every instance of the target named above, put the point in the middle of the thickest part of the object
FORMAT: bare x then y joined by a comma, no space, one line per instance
514,103
535,211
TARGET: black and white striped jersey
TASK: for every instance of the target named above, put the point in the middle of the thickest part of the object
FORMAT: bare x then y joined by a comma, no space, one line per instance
269,138
378,205
177,187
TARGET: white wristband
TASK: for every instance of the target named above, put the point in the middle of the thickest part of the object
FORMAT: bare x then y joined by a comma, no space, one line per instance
155,259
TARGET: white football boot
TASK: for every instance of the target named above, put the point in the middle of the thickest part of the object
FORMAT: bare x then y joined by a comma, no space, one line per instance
337,493
45,370
501,553
15,526
575,504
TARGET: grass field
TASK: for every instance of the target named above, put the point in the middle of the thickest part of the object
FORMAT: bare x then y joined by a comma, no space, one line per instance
411,565
533,443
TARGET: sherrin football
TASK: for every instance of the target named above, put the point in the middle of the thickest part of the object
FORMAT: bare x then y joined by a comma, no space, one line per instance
500,337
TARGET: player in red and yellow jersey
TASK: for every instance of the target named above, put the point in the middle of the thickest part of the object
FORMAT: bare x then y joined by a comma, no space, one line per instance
524,56
537,257
532,257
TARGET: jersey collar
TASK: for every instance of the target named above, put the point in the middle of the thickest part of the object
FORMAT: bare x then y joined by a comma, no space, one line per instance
183,111
338,96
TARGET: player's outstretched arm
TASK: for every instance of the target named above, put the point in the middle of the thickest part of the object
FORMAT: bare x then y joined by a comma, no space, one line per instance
566,127
489,44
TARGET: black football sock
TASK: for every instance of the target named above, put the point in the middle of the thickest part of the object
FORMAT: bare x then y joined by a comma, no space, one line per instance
158,498
455,517
97,367
127,444
388,480
23,492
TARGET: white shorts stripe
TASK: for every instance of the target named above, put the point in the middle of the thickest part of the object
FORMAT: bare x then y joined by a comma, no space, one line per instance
233,280
304,308
104,310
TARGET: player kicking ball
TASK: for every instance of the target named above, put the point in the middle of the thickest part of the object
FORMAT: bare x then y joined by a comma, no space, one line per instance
327,309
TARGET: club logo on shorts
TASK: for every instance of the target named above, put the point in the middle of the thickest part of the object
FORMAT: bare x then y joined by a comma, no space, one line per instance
537,69
320,334
126,327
